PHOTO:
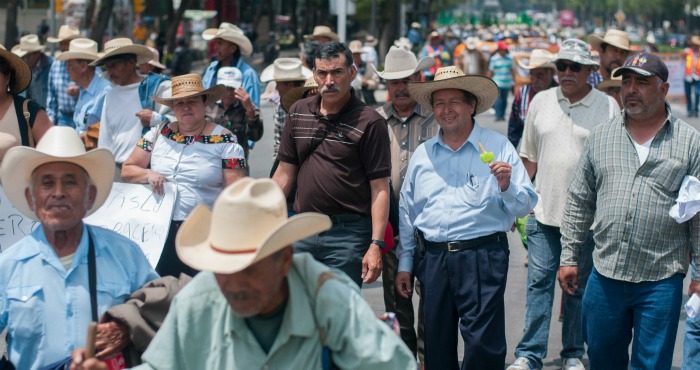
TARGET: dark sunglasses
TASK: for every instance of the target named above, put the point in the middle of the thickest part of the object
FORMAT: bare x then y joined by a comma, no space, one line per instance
574,67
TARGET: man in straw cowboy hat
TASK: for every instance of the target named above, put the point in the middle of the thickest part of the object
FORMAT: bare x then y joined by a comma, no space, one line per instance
628,178
409,126
471,60
60,104
613,48
322,34
367,77
66,273
341,169
457,202
31,50
256,304
122,124
557,124
612,87
93,87
692,76
230,46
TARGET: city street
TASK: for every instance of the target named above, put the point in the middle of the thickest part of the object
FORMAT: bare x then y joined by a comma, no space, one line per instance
261,161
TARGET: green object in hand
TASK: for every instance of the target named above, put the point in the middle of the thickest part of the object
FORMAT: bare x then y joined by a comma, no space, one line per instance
485,156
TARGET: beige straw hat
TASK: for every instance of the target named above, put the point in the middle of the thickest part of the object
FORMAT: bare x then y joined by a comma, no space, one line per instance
323,31
80,49
539,58
28,44
616,38
156,58
452,77
189,85
121,46
297,93
20,68
230,33
401,63
612,82
286,69
65,33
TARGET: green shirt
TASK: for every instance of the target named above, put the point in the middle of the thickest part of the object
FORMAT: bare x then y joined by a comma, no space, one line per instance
201,331
636,239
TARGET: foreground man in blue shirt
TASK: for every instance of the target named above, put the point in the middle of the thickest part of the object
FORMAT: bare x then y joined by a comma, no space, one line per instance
453,213
45,294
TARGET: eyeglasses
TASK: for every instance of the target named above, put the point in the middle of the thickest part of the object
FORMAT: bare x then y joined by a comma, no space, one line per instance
574,67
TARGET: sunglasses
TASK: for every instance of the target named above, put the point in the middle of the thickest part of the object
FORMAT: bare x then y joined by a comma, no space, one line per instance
574,67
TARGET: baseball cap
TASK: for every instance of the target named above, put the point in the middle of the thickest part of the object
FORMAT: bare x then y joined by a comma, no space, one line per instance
230,77
645,64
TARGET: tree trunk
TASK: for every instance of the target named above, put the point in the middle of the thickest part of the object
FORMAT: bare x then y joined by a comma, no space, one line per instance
294,21
390,31
175,22
11,32
89,15
103,16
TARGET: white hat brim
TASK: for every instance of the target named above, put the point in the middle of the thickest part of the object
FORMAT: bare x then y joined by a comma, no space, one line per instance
242,41
143,54
69,55
531,67
483,88
424,63
596,41
268,74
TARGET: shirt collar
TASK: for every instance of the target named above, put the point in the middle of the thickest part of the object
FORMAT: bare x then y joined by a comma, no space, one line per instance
391,112
315,106
92,88
670,118
42,247
473,139
587,100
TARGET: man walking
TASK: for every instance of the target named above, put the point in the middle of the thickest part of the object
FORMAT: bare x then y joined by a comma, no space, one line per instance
692,76
60,104
613,49
501,70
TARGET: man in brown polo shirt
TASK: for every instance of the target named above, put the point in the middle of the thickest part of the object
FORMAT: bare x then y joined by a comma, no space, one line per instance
334,148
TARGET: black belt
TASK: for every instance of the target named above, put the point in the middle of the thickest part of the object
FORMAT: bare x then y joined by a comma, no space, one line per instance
466,244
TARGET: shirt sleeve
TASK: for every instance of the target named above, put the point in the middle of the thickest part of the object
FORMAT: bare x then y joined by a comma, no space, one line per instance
407,216
104,138
146,142
287,151
374,151
168,346
528,144
52,98
515,124
252,86
255,126
233,157
520,197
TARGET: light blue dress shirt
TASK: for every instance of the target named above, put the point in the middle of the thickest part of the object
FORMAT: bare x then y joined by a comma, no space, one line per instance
88,110
451,195
46,309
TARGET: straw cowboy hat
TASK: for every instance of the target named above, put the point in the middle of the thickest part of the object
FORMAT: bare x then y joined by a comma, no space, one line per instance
401,63
355,46
28,44
285,69
20,69
293,95
416,25
576,51
256,211
85,49
404,43
616,38
65,33
189,85
539,58
122,46
156,58
59,144
612,82
323,31
452,77
230,33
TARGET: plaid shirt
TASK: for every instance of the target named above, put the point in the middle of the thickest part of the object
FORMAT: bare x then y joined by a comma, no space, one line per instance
58,100
594,79
235,119
279,118
636,239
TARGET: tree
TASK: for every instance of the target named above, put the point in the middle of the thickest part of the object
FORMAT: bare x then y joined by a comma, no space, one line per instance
174,19
100,26
11,32
89,15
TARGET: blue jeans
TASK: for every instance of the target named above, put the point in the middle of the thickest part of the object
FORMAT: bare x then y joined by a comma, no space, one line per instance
612,309
343,246
692,89
544,251
691,339
501,102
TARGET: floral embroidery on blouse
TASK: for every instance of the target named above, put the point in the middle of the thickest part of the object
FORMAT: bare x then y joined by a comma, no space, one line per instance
145,145
234,163
168,133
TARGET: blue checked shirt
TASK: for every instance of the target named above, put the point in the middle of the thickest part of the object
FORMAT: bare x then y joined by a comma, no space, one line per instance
59,106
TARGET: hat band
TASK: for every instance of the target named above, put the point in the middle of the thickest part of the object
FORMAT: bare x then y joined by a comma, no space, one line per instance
245,251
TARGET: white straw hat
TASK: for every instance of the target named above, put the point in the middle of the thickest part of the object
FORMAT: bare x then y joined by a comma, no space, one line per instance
285,69
80,49
539,58
323,31
452,77
65,33
230,33
28,44
121,46
401,63
616,38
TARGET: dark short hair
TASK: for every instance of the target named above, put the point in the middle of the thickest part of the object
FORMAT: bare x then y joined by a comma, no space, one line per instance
310,49
119,58
332,50
6,69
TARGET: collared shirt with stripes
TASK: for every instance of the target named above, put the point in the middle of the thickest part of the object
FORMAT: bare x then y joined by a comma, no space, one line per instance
636,239
58,101
279,118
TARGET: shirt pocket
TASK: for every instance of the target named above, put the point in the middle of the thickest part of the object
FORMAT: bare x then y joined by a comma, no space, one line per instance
477,189
26,310
111,294
668,174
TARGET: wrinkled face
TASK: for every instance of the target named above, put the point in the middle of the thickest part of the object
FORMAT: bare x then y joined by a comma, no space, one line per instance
76,68
541,78
223,50
60,194
189,111
642,96
284,86
613,57
260,288
398,91
333,78
572,77
120,72
452,112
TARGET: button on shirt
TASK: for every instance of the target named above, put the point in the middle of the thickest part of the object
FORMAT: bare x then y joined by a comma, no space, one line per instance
451,195
636,239
46,309
88,111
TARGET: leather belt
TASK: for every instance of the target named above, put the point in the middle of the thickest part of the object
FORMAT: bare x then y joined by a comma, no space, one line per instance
466,244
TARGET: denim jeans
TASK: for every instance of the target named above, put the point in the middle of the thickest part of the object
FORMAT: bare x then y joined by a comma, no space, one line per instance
343,246
692,90
501,102
544,251
691,339
613,309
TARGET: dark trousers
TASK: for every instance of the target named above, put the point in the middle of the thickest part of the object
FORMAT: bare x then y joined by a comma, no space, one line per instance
169,263
466,288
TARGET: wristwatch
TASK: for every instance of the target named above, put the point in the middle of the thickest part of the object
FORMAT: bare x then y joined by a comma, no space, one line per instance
378,242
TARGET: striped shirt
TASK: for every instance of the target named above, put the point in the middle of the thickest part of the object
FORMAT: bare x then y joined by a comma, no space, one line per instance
502,67
279,118
594,79
636,239
58,101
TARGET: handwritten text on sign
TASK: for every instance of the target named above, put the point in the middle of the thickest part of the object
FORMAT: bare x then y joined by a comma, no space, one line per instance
131,210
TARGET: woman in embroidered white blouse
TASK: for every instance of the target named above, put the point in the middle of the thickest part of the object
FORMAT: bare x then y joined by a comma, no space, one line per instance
199,157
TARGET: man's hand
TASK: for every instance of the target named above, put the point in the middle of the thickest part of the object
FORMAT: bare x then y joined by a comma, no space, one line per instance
372,264
568,279
111,338
244,98
156,181
403,285
694,287
502,171
78,361
73,91
145,116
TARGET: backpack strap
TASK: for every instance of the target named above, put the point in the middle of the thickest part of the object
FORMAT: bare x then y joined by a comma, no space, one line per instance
25,110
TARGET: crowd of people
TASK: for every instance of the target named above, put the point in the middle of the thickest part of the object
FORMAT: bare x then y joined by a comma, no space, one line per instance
266,273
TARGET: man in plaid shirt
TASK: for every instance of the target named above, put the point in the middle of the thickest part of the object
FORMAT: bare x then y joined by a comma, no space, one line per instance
63,94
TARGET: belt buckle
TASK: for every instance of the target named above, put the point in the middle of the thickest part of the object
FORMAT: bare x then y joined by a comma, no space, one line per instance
453,246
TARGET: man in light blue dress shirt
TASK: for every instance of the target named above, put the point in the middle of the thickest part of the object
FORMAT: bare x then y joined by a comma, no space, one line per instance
463,190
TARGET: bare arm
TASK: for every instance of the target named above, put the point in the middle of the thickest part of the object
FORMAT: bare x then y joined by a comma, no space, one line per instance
41,125
286,177
233,175
372,261
135,170
530,167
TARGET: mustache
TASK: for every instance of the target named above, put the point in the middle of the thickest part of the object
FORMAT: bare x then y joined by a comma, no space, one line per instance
567,79
402,94
329,88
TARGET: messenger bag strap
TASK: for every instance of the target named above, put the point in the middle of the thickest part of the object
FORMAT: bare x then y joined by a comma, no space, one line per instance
92,275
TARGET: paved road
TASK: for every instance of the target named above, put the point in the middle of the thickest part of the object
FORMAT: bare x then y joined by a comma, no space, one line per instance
261,160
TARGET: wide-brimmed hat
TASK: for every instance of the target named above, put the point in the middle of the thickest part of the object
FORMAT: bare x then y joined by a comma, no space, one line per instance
59,144
404,43
230,33
401,63
611,82
156,58
286,69
230,77
255,210
434,34
355,46
188,85
539,58
471,43
323,31
694,40
452,77
371,40
82,48
291,96
28,44
576,51
416,25
65,33
121,46
650,39
20,68
616,38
